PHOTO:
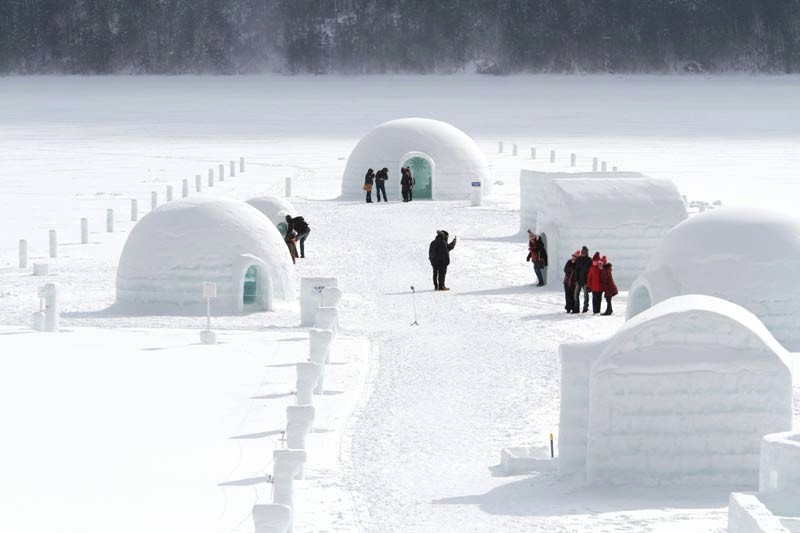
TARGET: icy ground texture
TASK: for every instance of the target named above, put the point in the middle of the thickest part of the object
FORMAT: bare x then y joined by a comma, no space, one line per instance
147,430
744,255
481,374
178,246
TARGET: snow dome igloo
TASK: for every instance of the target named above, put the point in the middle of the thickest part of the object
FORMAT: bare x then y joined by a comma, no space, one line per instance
275,209
747,256
444,160
171,251
681,395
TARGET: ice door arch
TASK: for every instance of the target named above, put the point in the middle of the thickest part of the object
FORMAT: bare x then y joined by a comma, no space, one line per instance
423,170
255,287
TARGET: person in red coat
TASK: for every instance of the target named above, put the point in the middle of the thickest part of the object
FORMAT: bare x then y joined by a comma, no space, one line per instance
594,284
609,287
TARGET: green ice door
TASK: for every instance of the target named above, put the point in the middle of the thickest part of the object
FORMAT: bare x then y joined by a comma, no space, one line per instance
421,170
250,286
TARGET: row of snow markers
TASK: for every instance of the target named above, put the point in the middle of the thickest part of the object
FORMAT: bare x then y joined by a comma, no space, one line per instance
573,158
46,319
289,463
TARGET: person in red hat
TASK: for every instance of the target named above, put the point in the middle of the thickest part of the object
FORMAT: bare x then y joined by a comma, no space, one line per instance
609,287
569,284
594,284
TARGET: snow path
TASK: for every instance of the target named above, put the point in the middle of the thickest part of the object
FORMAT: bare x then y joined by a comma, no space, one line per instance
478,374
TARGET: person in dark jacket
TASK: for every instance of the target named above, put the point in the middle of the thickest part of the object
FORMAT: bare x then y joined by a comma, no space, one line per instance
380,181
609,287
581,272
301,227
594,284
406,183
439,256
369,179
569,283
537,254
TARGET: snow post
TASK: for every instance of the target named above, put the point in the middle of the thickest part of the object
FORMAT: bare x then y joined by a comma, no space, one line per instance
23,253
153,200
272,518
500,147
308,374
514,149
110,220
134,210
185,190
222,173
328,318
169,193
319,351
572,159
533,153
41,269
84,231
552,156
241,164
198,183
603,166
210,177
233,168
287,465
299,422
288,187
53,243
594,164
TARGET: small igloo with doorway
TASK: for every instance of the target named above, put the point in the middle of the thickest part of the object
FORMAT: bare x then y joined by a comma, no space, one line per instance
444,160
622,215
681,395
744,255
172,250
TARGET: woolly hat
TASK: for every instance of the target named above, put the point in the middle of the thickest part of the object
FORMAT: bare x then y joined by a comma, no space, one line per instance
596,256
576,253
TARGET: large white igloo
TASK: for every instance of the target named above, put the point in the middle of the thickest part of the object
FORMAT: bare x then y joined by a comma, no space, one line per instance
445,161
172,250
681,395
744,255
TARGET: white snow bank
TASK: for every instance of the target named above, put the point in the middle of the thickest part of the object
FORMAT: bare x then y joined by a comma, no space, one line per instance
456,159
744,255
171,251
624,216
679,396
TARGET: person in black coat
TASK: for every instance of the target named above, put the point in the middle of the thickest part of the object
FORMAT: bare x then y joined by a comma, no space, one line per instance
380,180
369,179
439,256
406,183
581,273
569,283
301,227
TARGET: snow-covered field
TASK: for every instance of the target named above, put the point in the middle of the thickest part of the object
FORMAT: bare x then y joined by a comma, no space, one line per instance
431,406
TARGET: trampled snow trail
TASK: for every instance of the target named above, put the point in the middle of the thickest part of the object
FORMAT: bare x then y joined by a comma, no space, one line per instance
478,374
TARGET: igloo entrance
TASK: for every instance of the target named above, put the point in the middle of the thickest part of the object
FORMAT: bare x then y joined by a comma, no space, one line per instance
639,301
422,169
250,289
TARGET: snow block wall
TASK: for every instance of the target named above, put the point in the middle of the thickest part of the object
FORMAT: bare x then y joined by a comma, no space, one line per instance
681,396
624,218
455,159
743,255
780,463
172,250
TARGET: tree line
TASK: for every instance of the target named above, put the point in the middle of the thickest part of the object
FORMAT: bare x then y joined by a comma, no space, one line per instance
409,36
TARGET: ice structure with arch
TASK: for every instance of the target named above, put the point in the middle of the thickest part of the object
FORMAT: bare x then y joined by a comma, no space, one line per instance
744,255
172,250
445,160
681,395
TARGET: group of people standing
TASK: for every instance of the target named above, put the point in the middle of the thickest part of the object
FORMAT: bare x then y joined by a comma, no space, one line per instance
378,181
588,275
